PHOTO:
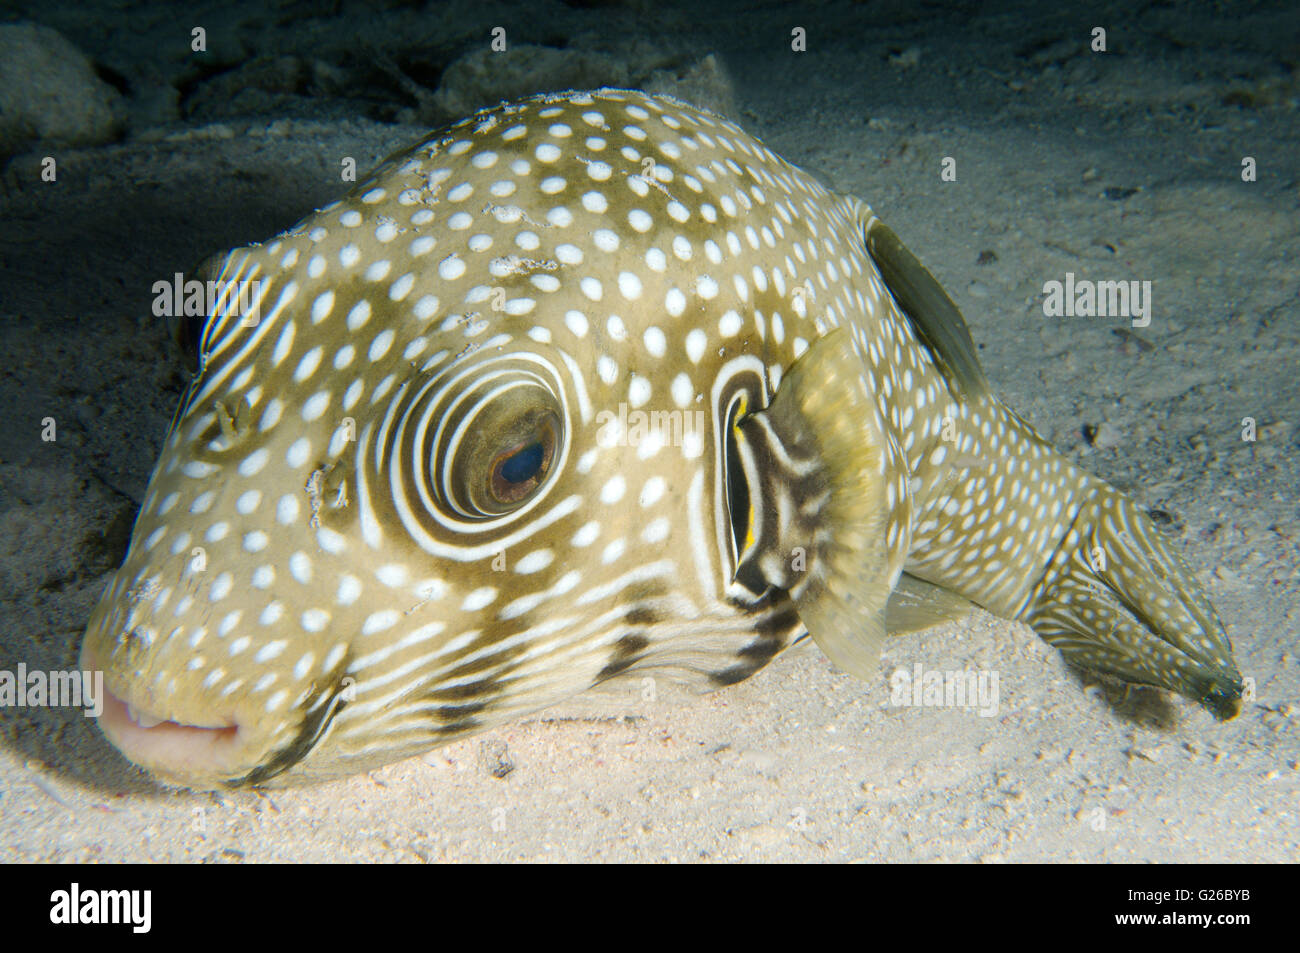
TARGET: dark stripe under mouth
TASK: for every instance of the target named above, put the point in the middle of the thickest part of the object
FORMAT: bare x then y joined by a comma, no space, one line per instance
320,709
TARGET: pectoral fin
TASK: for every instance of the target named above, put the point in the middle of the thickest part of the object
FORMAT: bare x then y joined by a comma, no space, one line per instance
916,604
832,515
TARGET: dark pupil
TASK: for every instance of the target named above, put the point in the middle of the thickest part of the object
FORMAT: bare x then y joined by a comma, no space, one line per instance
524,464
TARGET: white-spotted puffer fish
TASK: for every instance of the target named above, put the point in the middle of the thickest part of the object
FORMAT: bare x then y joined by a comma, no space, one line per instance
584,385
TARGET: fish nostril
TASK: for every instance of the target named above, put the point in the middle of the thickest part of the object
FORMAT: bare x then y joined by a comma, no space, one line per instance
137,639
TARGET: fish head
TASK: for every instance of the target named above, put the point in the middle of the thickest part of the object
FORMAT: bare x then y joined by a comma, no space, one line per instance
457,448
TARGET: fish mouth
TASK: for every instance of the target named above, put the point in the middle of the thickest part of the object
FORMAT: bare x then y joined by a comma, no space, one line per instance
193,755
171,748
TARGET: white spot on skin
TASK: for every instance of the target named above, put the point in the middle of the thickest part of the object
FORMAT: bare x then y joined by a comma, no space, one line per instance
638,391
729,324
696,342
629,285
349,590
535,561
322,306
683,390
613,490
286,511
479,599
359,315
252,464
576,322
315,620
298,453
451,268
675,302
653,490
315,405
221,587
271,650
426,307
301,669
379,622
308,365
401,287
392,575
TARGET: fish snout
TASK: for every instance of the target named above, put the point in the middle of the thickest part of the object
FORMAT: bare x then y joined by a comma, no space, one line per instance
161,712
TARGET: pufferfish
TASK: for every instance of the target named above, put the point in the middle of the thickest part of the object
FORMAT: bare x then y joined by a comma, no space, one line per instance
584,385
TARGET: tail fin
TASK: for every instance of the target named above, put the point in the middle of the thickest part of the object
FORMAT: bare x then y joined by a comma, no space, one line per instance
1111,593
1116,597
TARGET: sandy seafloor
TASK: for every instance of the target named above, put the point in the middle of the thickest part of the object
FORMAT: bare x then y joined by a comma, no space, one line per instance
1122,165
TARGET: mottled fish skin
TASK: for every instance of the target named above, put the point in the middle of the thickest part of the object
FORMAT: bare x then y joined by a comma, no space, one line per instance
368,588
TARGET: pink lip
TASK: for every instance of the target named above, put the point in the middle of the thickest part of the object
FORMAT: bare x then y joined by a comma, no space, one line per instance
170,748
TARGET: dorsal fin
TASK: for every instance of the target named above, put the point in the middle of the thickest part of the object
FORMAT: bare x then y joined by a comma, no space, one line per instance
934,317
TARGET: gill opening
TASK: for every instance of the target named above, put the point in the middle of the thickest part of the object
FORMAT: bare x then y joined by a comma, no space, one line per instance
740,509
745,489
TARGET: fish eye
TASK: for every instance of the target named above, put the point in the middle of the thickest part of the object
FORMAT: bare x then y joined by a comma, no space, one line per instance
502,451
518,471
